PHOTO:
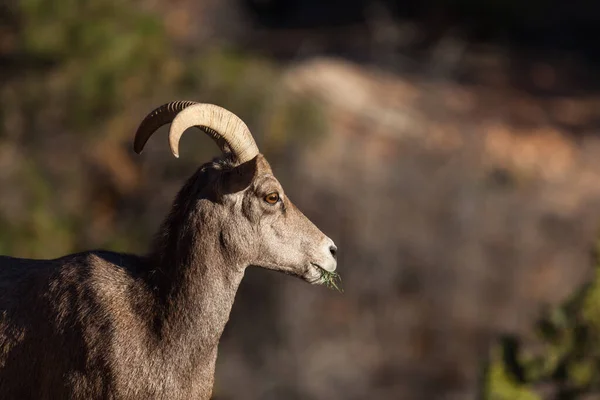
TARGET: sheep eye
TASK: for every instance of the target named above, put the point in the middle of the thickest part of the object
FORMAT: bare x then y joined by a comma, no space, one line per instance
272,198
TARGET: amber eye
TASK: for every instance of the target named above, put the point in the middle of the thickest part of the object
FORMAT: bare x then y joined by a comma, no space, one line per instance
272,198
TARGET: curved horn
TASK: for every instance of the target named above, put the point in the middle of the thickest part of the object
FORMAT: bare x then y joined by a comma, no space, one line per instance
229,132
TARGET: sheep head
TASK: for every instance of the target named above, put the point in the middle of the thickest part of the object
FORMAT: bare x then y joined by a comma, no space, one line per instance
249,214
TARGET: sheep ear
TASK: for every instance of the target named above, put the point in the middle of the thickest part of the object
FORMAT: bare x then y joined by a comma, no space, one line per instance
240,177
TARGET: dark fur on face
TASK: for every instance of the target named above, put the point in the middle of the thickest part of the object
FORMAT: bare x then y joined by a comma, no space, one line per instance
101,325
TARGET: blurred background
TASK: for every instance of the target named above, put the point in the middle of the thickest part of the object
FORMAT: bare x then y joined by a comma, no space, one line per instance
450,148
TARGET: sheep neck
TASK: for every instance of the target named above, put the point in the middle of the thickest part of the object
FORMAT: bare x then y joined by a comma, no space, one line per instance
196,288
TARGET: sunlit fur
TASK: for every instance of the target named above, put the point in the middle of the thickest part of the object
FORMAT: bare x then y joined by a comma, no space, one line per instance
106,325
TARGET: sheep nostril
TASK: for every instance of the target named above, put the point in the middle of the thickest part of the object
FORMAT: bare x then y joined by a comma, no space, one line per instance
333,251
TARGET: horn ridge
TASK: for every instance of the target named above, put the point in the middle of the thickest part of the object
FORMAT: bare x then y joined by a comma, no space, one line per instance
229,132
158,117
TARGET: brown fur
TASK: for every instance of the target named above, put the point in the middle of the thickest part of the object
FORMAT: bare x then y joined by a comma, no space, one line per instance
103,325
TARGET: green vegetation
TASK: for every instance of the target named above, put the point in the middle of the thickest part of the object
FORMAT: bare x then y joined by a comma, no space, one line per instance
332,280
563,357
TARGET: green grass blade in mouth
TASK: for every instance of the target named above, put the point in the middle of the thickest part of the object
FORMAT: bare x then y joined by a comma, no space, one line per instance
332,280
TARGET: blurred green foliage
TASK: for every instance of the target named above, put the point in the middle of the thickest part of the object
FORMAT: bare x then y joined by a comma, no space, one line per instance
104,53
79,64
561,361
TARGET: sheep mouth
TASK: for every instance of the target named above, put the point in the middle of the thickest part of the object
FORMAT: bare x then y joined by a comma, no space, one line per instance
313,274
319,275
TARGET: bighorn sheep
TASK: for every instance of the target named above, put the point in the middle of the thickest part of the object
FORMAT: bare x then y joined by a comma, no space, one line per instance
106,325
